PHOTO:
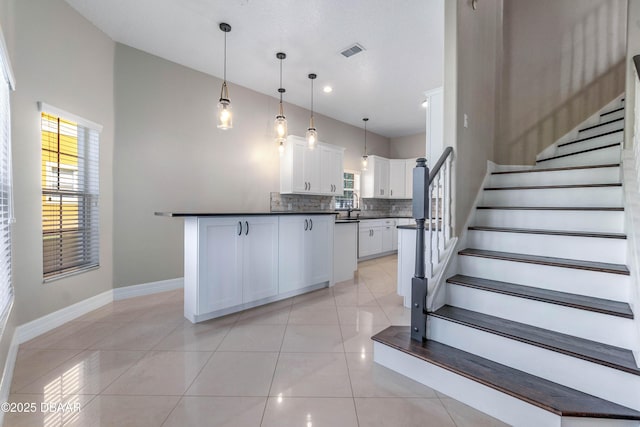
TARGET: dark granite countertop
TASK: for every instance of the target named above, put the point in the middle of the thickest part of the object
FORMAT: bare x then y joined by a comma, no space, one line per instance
362,217
223,214
414,227
347,221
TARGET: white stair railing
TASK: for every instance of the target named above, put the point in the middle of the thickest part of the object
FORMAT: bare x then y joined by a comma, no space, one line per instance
439,222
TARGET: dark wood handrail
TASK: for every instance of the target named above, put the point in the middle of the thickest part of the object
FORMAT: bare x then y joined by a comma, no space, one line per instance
636,61
446,153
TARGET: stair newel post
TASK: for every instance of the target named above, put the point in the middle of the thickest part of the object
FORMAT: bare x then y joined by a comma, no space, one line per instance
421,195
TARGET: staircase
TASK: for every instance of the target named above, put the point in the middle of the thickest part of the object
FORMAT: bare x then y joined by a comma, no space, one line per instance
537,329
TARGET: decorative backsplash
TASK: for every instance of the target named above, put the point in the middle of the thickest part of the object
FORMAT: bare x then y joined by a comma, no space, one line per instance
368,207
301,203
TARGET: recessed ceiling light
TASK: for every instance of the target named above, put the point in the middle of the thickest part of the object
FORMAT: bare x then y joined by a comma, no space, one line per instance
327,89
425,104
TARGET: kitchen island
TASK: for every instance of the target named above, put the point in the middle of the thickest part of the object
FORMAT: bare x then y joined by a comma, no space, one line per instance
235,261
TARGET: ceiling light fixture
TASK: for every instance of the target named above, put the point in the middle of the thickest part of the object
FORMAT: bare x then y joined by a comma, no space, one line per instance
327,89
425,103
225,119
281,120
365,158
312,134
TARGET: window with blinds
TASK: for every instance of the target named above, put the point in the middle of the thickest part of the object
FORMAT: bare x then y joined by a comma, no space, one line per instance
70,192
6,208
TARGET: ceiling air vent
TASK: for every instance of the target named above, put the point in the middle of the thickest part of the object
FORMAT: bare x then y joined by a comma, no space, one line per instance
352,50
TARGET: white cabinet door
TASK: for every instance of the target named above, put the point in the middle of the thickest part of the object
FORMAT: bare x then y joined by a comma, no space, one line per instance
376,239
312,170
364,242
220,263
298,178
259,257
291,250
381,180
331,173
318,246
387,238
397,179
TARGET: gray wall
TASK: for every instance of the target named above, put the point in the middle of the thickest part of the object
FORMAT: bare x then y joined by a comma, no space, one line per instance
563,61
477,42
406,147
62,59
169,156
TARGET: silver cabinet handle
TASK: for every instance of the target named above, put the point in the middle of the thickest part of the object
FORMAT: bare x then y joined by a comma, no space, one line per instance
391,193
306,225
310,224
247,224
239,228
309,186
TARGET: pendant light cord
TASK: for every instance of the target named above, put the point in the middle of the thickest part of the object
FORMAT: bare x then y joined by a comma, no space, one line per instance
225,57
312,99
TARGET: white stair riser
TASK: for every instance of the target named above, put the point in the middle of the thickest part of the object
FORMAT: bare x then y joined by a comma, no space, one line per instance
565,177
589,143
555,197
585,282
572,321
601,129
488,400
598,157
602,221
604,382
572,247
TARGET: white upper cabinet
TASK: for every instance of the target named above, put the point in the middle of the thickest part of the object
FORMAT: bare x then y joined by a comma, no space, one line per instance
397,179
374,182
332,170
304,171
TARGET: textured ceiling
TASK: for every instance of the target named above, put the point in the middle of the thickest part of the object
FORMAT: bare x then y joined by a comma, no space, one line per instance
403,41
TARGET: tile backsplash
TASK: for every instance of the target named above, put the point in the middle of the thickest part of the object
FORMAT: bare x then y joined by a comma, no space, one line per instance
368,207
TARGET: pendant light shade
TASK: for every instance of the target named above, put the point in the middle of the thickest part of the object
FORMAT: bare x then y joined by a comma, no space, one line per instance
312,133
225,117
365,158
281,121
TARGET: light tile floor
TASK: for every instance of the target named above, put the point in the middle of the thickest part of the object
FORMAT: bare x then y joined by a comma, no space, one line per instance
306,361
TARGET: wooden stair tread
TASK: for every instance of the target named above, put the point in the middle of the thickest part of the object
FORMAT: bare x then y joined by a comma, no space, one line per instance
536,391
612,111
575,141
592,351
581,302
544,187
550,232
601,124
554,208
580,152
603,267
566,168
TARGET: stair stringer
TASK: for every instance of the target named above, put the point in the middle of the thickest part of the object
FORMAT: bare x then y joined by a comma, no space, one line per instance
632,228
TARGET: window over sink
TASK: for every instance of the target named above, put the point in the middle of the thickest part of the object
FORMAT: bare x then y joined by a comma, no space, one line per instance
350,199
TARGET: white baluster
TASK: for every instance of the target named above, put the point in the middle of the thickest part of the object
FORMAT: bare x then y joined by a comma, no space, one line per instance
437,224
447,200
430,241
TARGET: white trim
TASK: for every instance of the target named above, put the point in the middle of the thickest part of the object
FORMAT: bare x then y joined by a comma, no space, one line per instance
50,321
46,108
7,373
147,288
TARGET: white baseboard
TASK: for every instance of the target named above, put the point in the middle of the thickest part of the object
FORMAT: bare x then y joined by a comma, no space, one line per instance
51,321
147,288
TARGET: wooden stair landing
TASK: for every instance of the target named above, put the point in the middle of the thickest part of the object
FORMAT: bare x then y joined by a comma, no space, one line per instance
555,398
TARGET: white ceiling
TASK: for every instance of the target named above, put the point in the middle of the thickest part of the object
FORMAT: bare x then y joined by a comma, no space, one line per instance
403,40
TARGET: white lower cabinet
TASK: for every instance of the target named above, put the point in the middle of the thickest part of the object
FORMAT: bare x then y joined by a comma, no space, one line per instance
305,254
232,263
238,261
378,236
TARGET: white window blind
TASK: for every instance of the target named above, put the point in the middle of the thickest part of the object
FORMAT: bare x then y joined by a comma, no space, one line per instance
70,193
6,200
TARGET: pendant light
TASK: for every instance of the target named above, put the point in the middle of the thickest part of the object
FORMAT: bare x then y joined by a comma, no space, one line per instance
365,158
281,120
312,134
225,119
